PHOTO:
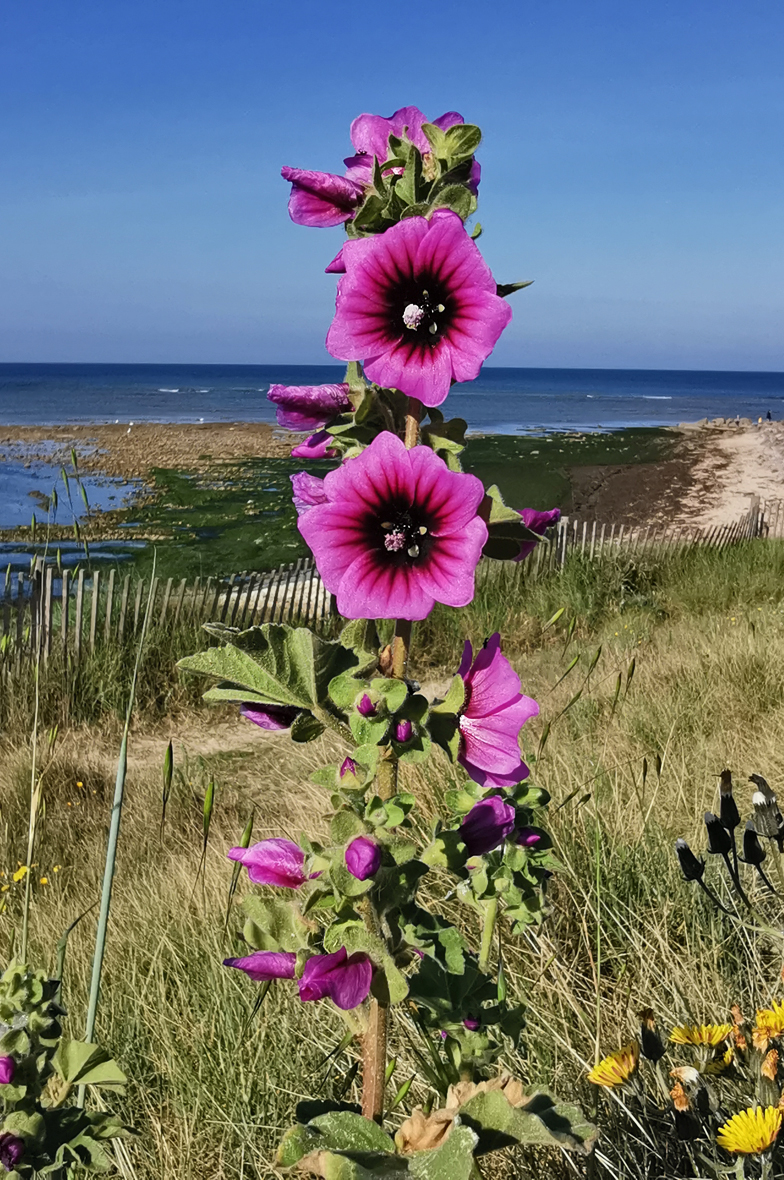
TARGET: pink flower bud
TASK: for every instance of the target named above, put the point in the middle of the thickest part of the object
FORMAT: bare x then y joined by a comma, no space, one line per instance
363,858
348,766
366,707
273,862
7,1070
344,979
487,825
264,965
528,837
403,731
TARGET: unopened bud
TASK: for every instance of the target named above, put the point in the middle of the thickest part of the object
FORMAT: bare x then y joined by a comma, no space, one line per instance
691,867
728,811
650,1041
753,852
719,841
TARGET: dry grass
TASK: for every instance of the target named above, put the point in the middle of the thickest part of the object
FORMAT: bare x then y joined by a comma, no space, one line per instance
212,1089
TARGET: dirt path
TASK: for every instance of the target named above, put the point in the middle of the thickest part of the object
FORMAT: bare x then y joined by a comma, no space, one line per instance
707,482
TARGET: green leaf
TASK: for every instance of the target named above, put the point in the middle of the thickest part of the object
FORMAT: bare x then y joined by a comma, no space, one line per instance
409,188
462,140
346,825
306,728
437,140
361,637
457,198
341,1130
394,693
444,730
278,664
90,1065
452,1160
346,688
504,289
273,925
541,1122
344,881
454,699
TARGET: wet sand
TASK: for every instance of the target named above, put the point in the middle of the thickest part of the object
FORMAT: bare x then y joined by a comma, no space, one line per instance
133,452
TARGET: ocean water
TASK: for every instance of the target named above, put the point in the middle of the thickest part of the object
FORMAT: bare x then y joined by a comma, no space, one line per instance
501,400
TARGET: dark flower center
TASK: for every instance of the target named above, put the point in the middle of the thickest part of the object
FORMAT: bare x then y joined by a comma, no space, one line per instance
402,536
421,308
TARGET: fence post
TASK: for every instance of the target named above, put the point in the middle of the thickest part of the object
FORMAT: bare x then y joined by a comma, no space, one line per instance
78,618
64,611
123,607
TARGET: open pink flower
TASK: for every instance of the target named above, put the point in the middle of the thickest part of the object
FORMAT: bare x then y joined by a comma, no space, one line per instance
273,862
316,446
308,407
492,716
398,533
418,306
538,522
344,979
307,491
273,717
264,965
322,199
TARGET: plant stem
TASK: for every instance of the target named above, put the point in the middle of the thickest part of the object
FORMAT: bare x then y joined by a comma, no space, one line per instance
111,847
374,1042
777,864
488,928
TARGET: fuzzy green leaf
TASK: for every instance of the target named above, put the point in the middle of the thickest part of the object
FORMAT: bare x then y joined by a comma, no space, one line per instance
453,1160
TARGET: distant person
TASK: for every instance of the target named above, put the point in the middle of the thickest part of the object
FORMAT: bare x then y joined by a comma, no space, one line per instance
768,417
737,419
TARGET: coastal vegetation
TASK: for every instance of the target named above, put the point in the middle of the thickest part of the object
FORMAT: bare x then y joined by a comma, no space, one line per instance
212,1080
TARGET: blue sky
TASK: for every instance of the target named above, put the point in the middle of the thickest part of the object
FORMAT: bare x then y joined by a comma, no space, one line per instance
632,166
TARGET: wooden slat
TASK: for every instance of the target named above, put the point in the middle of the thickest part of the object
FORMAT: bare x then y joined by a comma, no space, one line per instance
180,600
166,596
107,622
48,610
96,593
194,599
78,618
137,604
227,597
126,590
235,608
593,541
65,604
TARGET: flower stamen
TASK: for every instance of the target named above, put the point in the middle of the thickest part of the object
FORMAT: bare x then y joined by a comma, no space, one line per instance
395,541
413,316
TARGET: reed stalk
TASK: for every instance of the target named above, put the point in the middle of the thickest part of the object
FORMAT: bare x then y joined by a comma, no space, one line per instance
114,835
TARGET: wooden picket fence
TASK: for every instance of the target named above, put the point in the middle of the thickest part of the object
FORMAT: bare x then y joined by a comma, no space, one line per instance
50,608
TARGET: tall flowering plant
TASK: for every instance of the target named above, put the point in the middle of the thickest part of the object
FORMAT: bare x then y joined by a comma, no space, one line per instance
395,528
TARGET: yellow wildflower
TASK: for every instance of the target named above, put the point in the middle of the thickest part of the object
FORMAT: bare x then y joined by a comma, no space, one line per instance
44,881
55,868
20,872
617,1068
752,1131
4,888
79,784
700,1034
720,1064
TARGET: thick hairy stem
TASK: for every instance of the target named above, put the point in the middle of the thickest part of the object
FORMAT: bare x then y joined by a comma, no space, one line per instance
488,927
374,1045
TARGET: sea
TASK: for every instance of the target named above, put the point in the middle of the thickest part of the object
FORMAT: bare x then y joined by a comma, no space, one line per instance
501,400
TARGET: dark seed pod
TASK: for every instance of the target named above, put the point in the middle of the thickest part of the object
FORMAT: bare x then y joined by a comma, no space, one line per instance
728,811
753,852
691,867
719,841
650,1041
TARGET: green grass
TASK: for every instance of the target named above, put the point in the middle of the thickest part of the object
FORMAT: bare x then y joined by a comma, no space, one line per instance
211,1092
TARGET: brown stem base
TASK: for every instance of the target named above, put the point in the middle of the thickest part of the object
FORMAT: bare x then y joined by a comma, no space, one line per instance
374,1063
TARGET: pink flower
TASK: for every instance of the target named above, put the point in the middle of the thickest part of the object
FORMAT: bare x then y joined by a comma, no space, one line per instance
317,446
492,716
7,1070
398,533
264,965
538,522
12,1148
307,491
370,136
274,717
403,731
273,862
348,767
322,199
308,407
363,858
345,980
365,706
337,266
418,306
487,825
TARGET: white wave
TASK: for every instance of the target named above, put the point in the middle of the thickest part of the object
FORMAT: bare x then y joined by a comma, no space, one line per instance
656,397
168,391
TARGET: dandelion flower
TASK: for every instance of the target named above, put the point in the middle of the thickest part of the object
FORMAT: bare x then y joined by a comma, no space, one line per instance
700,1034
617,1068
752,1131
44,881
721,1064
21,872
